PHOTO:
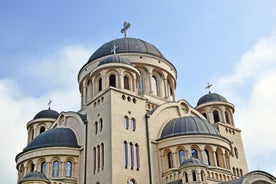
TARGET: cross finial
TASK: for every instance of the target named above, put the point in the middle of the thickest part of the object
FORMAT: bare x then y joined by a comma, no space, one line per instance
114,49
49,103
124,29
209,87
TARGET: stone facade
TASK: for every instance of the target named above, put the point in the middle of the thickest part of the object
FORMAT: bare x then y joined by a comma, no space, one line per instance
130,128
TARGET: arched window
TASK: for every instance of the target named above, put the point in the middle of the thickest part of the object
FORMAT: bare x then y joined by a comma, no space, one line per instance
132,124
241,173
236,152
68,171
99,157
55,169
234,171
101,124
125,154
42,129
216,116
32,134
154,85
226,117
94,159
43,167
102,145
194,175
100,84
126,83
140,85
136,157
194,153
126,122
96,127
186,177
237,172
112,80
131,155
181,156
206,159
202,175
170,160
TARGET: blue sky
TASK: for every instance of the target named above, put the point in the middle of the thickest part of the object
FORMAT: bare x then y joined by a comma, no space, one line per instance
229,43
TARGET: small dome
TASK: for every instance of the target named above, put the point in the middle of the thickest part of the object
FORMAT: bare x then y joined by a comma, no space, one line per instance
35,176
211,97
189,125
57,137
114,59
192,162
126,45
47,114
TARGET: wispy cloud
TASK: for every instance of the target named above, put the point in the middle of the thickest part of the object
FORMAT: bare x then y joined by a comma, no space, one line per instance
251,87
57,70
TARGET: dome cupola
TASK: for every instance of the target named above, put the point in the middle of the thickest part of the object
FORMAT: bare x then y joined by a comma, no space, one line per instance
47,114
126,45
211,97
189,125
57,137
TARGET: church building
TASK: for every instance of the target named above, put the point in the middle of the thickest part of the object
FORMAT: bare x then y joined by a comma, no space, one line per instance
131,129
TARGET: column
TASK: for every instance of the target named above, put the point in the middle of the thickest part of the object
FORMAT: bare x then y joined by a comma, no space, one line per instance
215,158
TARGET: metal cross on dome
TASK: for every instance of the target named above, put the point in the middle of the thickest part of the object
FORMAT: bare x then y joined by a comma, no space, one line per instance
49,103
124,29
209,87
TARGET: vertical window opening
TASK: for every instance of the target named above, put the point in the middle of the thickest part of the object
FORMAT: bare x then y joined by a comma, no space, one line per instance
126,122
99,157
194,175
125,154
131,155
112,80
43,167
140,85
133,124
181,156
55,169
170,160
154,85
94,160
126,83
226,117
136,156
42,129
186,177
101,124
100,84
96,127
194,153
102,145
216,116
68,171
206,157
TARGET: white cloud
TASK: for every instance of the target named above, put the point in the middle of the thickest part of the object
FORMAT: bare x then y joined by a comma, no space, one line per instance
17,108
251,87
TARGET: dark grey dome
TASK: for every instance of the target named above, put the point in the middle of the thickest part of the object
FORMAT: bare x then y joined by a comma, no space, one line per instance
187,126
114,59
47,114
35,175
126,45
57,137
211,97
191,162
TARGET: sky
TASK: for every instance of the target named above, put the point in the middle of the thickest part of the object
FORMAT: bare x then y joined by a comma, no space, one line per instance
228,43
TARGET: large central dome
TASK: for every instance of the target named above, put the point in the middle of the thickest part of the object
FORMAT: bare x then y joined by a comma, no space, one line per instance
126,45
